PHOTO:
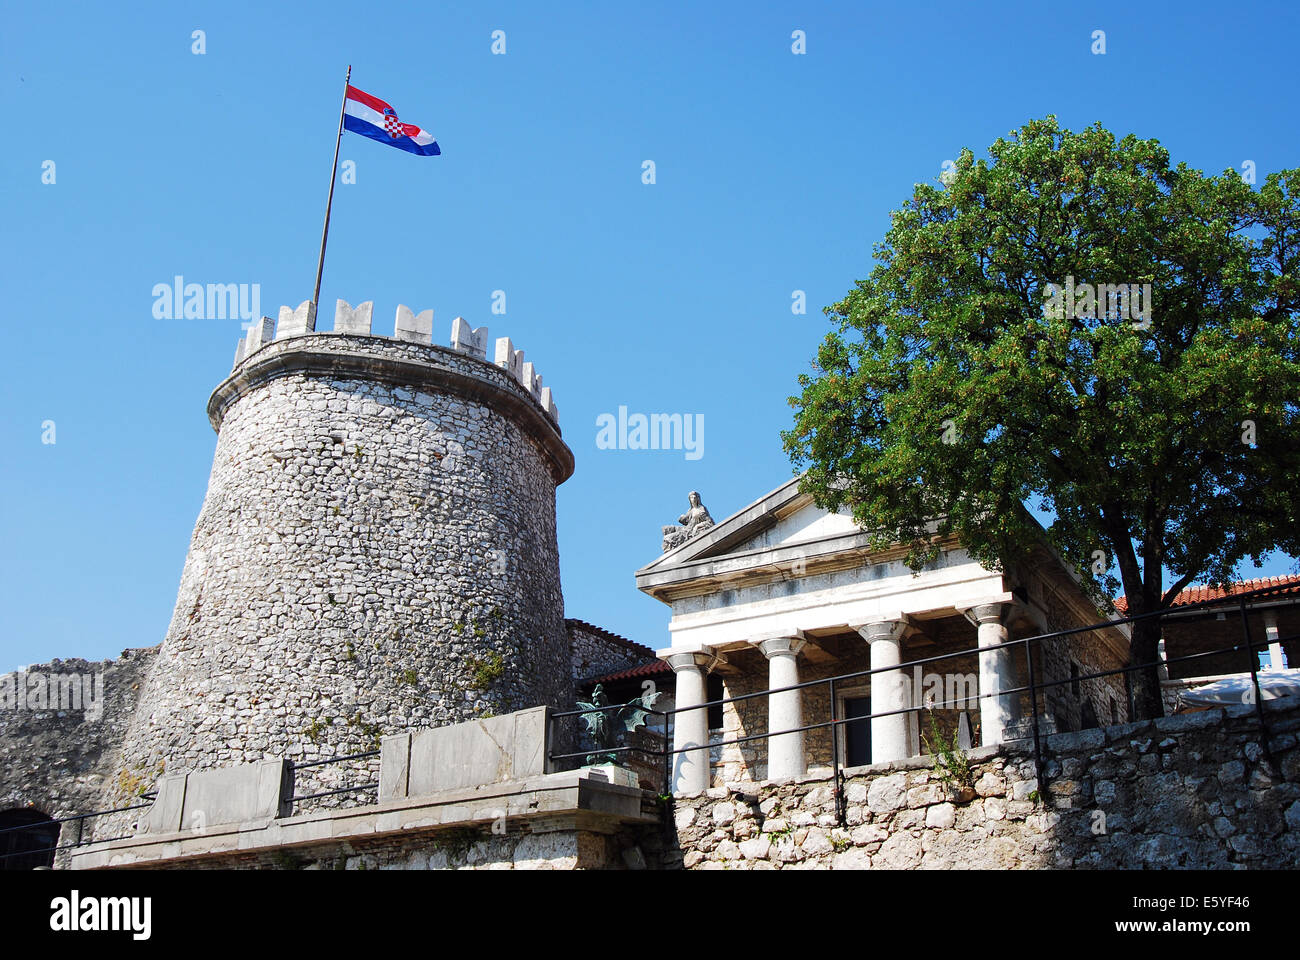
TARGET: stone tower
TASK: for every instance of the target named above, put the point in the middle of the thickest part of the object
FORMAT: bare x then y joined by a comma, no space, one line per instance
376,550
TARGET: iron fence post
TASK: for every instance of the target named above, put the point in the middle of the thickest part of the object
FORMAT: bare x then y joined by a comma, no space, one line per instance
667,745
1254,679
1033,720
835,761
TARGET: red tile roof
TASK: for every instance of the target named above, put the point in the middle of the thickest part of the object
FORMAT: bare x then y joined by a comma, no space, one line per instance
652,669
1283,586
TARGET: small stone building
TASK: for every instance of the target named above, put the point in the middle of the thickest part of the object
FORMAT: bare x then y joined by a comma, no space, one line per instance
783,592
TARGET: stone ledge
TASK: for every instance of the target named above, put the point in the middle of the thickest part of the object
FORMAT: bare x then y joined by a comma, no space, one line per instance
558,801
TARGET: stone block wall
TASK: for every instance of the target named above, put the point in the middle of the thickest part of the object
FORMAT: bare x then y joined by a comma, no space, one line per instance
595,651
1099,701
1190,791
743,718
59,762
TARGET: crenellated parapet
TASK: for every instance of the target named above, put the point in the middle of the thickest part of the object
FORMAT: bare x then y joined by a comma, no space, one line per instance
408,327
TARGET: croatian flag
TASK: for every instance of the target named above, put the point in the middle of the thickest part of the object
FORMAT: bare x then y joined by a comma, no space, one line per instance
371,117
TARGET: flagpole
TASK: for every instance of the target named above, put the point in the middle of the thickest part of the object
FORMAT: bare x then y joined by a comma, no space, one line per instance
320,264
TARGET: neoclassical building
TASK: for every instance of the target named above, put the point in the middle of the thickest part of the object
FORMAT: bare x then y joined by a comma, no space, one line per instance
783,592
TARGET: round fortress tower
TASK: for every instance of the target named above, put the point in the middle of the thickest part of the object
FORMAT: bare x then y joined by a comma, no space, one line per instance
376,550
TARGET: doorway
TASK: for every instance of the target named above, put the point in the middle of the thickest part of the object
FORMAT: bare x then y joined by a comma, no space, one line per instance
857,732
29,848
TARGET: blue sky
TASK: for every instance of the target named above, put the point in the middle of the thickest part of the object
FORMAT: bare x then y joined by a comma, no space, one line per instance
775,172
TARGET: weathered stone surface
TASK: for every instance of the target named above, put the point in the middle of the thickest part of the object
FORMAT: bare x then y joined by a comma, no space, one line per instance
757,848
87,742
940,816
816,843
887,793
990,784
851,860
869,833
1191,798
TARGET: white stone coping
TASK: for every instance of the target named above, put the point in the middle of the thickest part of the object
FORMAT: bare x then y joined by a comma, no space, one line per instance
577,799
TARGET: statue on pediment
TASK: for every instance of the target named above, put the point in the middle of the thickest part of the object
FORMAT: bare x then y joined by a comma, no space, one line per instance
689,525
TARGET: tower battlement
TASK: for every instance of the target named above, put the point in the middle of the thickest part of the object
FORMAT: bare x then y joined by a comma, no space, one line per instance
408,327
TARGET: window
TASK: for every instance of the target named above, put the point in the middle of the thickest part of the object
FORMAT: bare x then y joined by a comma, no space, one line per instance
1074,679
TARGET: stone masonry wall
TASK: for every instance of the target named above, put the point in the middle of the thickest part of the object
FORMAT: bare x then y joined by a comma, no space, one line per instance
371,556
1099,700
596,651
1189,791
59,761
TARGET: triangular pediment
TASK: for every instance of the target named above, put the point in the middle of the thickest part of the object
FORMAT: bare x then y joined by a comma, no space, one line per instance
780,534
783,518
749,525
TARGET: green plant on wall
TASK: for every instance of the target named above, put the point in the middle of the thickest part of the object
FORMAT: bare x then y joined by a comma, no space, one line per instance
372,732
131,784
485,670
950,760
314,729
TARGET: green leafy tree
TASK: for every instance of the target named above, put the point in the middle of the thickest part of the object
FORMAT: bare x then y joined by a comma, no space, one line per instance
961,383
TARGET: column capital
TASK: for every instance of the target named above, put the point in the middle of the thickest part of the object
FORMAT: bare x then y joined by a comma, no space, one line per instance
704,659
1001,612
893,627
781,646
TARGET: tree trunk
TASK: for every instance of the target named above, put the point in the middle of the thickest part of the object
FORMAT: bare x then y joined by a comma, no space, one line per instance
1145,648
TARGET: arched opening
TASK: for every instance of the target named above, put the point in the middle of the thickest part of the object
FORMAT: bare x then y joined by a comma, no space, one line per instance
28,848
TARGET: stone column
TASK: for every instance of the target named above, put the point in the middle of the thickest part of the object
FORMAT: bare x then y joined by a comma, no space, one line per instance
997,670
691,727
888,689
785,757
1272,635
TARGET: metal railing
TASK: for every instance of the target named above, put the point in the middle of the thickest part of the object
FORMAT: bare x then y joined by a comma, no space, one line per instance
79,819
664,753
294,767
1035,688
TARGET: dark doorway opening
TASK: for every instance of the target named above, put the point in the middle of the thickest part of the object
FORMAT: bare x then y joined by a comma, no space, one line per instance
29,848
857,732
